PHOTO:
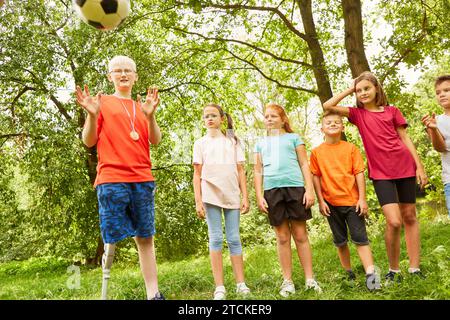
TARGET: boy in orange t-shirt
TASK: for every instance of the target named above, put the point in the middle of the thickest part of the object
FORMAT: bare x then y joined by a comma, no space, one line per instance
123,130
338,176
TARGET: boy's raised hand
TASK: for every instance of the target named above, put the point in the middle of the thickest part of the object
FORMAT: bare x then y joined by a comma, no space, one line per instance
324,209
430,121
89,103
150,103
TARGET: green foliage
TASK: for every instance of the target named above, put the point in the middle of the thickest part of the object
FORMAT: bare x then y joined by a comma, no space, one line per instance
238,58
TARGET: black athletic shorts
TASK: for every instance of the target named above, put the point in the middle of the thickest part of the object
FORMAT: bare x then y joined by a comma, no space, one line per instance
286,203
396,191
343,217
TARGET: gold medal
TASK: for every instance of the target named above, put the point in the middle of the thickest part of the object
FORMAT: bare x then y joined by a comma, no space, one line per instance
134,135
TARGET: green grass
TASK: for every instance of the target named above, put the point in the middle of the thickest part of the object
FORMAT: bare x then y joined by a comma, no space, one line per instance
48,278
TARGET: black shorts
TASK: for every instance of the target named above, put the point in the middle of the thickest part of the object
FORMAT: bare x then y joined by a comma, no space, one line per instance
342,217
286,203
396,191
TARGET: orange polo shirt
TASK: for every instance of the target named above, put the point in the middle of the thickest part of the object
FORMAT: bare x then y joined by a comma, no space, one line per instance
120,158
337,166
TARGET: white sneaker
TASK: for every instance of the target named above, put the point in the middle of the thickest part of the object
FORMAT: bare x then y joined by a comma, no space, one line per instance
287,288
219,293
312,284
241,288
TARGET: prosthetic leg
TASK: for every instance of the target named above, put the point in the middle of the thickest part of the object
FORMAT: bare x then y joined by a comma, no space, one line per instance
107,260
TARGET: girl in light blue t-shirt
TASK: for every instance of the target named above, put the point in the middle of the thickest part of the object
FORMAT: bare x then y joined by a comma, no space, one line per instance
281,165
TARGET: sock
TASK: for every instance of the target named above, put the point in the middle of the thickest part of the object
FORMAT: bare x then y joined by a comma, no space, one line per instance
412,270
221,287
393,270
371,269
240,283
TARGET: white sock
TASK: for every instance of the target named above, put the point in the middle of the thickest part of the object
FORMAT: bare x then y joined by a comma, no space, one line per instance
221,287
240,283
412,270
370,269
394,270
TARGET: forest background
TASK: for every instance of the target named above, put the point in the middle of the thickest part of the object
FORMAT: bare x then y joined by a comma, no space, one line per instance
239,54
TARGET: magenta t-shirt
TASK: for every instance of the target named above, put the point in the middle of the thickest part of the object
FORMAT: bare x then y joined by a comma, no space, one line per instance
387,155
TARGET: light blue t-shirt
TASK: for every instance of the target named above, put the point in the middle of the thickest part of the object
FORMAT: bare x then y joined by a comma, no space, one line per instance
279,160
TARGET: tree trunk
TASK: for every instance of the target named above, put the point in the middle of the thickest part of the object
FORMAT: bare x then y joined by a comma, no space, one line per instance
317,58
354,37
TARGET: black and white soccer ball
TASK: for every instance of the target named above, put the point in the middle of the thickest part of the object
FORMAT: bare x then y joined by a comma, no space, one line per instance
102,14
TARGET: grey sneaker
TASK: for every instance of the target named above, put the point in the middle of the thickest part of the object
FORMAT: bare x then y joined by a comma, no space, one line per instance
373,282
242,289
287,288
219,293
312,284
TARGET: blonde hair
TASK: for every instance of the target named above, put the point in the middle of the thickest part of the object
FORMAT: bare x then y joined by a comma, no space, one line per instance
380,97
121,59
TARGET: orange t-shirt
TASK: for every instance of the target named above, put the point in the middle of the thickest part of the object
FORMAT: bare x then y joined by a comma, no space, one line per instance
120,158
337,165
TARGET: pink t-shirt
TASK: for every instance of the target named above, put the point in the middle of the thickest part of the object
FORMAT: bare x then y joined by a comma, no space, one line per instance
387,156
220,182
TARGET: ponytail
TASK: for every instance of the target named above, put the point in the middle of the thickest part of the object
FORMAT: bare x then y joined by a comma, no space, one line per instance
230,130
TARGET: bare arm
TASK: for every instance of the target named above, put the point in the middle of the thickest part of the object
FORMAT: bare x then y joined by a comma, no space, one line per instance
258,180
198,191
323,207
89,134
154,132
243,186
308,200
332,103
434,134
420,172
361,205
149,108
92,106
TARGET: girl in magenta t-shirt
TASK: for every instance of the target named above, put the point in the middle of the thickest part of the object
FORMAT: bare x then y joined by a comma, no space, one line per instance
394,166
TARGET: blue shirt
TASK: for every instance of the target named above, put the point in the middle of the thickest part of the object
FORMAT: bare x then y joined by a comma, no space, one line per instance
279,159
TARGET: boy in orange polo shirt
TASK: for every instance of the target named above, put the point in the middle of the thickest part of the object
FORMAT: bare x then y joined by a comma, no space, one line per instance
123,130
338,176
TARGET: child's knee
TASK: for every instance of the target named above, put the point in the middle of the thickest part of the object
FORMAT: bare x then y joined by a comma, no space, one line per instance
215,241
234,244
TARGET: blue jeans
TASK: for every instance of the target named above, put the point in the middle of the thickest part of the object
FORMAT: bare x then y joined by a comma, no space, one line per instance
214,220
447,197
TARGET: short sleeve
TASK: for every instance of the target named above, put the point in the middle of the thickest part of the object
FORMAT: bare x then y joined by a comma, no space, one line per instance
313,164
358,162
353,115
297,141
257,148
398,118
240,155
197,157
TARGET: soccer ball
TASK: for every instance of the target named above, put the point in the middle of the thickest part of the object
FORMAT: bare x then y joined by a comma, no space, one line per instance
102,14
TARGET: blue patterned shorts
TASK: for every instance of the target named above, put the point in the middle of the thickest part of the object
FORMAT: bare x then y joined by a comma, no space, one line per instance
126,210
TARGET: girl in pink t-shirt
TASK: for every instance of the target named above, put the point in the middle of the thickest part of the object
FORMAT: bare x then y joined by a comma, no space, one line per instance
394,165
219,179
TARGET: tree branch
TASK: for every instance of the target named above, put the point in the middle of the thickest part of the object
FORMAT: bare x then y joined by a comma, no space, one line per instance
256,48
275,10
269,78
